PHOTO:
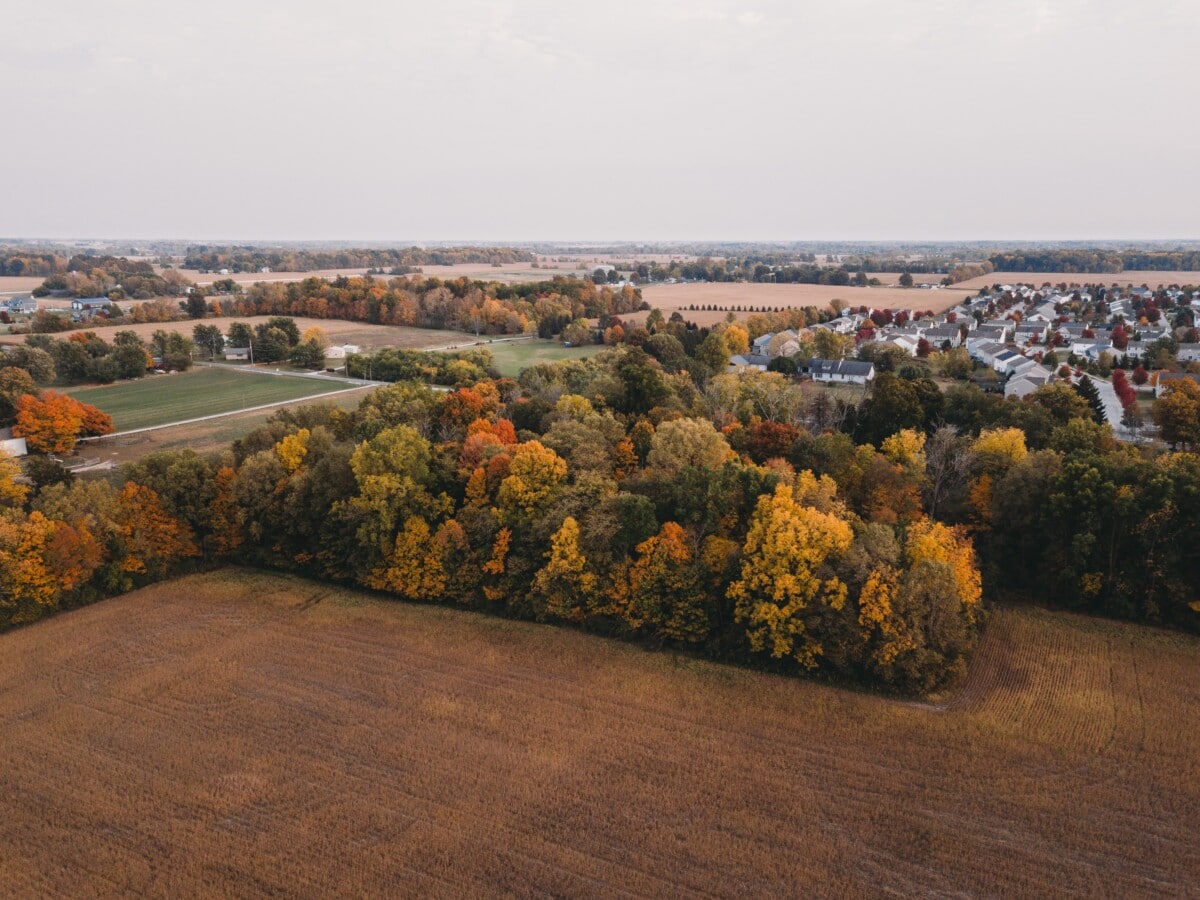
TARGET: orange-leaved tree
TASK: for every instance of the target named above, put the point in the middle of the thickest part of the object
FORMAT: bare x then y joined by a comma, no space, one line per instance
53,422
151,537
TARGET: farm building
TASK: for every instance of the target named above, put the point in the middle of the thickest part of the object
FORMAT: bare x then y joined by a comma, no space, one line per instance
237,354
13,446
90,304
335,357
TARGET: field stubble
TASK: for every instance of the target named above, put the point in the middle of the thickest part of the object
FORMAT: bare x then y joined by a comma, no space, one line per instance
242,733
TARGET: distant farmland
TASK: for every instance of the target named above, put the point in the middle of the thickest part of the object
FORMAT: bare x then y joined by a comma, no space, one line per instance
246,734
672,297
161,399
339,331
1130,278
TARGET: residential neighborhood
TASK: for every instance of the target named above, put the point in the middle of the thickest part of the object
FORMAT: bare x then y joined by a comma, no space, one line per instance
1027,336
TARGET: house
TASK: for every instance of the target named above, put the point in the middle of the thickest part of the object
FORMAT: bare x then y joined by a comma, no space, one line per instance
1008,361
908,342
986,351
1028,381
746,362
1032,332
1188,353
19,306
839,371
237,354
940,335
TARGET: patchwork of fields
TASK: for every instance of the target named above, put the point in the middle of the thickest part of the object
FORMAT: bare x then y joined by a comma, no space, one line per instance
240,733
161,399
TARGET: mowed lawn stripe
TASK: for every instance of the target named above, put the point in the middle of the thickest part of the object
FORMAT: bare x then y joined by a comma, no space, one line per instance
510,357
162,399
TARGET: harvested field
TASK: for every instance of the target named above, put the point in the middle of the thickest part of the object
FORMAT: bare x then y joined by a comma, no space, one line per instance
671,297
243,734
18,284
367,336
1125,279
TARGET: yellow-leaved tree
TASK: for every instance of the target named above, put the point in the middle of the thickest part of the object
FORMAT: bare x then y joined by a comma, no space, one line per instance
931,541
292,450
413,569
786,574
534,477
563,586
27,586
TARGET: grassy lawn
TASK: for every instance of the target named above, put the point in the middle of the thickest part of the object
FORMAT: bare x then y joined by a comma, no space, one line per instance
511,358
161,399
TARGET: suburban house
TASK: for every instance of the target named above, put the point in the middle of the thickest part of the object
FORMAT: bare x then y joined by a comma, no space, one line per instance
942,335
1025,383
1008,362
987,351
1188,353
839,371
745,362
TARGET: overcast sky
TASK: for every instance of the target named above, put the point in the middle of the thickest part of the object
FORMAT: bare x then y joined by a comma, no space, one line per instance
615,120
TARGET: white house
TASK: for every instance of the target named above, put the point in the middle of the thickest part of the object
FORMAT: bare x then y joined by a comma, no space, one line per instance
839,371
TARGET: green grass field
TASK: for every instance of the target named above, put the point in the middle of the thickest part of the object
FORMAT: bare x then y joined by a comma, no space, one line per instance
511,358
162,399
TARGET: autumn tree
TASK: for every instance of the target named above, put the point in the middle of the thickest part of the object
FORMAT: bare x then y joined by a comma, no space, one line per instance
52,423
667,596
413,567
151,538
563,586
1177,413
786,573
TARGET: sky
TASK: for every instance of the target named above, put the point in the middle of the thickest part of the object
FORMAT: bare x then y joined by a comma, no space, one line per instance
634,120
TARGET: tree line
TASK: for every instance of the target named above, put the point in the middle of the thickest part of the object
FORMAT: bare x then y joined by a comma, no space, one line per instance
282,259
645,494
1096,261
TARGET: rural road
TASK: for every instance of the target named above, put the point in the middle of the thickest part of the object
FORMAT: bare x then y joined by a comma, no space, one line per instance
232,412
319,376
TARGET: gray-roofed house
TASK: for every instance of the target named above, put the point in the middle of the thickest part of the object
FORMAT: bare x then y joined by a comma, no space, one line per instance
839,371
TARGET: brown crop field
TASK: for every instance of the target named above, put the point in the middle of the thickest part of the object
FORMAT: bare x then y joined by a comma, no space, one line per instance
243,734
16,284
1124,279
339,331
672,297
